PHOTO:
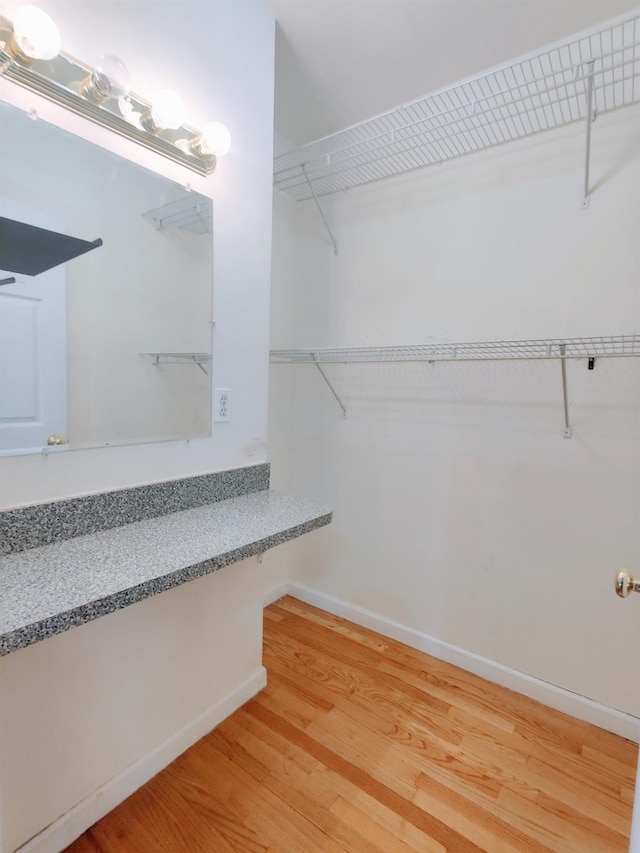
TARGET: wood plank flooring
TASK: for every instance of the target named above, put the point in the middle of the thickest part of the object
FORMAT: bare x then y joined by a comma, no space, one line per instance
361,744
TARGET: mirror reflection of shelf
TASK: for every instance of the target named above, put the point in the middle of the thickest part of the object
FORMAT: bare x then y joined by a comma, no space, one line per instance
197,358
193,214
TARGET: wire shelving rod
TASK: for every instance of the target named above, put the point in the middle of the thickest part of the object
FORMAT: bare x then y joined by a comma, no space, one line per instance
591,73
542,349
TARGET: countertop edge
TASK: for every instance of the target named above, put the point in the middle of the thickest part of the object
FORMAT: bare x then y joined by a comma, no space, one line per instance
27,635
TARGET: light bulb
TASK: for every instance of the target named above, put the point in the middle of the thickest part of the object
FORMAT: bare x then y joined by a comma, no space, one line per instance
167,112
217,138
35,36
110,79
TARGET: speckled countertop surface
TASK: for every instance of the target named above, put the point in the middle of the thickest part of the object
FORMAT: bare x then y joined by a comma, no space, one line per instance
47,590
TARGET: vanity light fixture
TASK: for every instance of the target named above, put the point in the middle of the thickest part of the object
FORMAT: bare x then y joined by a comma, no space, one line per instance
30,55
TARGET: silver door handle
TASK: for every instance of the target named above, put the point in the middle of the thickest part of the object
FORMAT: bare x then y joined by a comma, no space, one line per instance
56,440
626,584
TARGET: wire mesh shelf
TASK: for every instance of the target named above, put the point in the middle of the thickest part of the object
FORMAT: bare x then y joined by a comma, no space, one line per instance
538,92
551,348
193,214
615,346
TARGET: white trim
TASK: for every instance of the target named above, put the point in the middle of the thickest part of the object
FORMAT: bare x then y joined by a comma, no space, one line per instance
563,700
275,592
62,832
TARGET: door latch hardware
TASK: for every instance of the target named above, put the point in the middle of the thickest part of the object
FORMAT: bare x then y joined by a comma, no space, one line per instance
626,584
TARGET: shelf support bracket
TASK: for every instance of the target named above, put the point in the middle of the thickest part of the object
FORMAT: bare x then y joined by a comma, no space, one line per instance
331,388
200,366
590,120
315,198
565,397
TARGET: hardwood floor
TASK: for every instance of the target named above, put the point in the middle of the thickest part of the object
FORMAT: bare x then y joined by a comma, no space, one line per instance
362,744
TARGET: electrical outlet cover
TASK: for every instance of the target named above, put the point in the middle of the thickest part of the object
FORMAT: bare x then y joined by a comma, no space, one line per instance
222,405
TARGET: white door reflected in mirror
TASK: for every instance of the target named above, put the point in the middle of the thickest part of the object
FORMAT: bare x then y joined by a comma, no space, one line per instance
33,353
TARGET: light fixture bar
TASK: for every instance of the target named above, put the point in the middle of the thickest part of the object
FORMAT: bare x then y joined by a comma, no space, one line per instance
60,80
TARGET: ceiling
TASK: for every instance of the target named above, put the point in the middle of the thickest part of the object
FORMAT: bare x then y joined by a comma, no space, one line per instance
339,62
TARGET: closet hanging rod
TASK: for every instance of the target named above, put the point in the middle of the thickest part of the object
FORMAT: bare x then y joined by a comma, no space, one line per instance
556,349
615,346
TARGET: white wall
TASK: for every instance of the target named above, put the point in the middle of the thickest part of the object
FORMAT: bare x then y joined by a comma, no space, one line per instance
102,695
83,708
281,387
145,290
460,511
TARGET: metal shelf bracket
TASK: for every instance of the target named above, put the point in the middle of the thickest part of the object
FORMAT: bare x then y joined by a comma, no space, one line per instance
568,431
590,117
331,388
202,368
320,211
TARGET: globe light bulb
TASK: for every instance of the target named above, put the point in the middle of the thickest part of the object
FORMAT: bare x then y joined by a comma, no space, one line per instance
35,36
217,138
167,111
109,79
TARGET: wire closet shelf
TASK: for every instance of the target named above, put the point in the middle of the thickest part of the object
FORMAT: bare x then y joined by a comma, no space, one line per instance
586,75
551,348
200,359
559,349
184,214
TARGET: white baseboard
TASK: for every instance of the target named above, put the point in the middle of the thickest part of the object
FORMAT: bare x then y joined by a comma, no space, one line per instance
71,825
275,592
563,700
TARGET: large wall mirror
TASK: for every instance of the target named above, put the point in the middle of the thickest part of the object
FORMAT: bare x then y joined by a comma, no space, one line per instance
113,346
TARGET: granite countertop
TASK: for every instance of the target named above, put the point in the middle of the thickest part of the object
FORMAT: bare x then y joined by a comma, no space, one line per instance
50,589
